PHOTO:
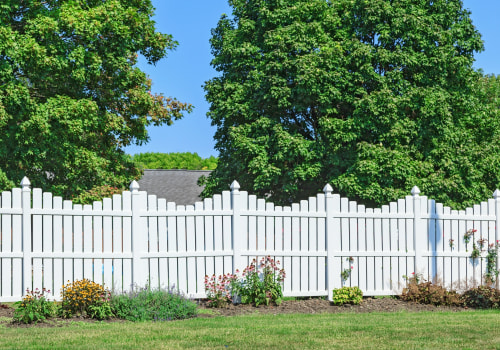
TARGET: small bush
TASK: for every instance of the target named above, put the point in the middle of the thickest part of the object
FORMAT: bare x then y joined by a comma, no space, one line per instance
428,293
152,305
347,295
34,307
482,297
86,298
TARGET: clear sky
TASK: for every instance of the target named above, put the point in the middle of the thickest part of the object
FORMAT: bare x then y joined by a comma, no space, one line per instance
185,70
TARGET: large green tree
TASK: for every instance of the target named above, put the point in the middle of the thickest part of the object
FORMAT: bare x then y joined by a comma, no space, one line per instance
71,95
372,96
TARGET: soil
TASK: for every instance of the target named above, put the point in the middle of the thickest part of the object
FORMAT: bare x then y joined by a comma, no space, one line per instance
304,306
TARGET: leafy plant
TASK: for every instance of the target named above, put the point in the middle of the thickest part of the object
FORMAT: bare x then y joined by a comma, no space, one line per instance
347,295
476,253
87,298
218,289
469,235
425,292
146,304
260,284
346,273
34,307
482,297
491,273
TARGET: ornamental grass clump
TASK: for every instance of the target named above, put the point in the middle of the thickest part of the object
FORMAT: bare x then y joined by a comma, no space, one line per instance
34,307
85,298
147,304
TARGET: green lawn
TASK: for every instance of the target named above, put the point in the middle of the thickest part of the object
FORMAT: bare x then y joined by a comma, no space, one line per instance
426,330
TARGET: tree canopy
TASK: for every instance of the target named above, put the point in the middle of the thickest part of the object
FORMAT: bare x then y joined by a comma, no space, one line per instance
71,95
185,160
371,96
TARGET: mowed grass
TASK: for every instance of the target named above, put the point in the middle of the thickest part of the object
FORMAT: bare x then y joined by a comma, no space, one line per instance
425,330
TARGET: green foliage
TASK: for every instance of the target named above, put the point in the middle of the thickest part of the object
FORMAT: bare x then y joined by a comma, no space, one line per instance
96,194
482,297
492,272
426,292
347,295
189,161
260,284
34,307
86,298
71,95
148,304
373,97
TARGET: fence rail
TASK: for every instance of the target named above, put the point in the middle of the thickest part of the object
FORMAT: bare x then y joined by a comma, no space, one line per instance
136,238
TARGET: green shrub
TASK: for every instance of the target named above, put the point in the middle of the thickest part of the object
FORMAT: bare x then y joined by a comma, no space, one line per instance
482,297
86,298
347,295
428,293
34,307
152,305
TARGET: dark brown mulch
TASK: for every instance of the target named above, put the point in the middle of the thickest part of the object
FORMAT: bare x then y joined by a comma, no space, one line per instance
315,305
306,306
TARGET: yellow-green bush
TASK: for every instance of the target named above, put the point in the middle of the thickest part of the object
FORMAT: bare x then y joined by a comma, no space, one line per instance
87,298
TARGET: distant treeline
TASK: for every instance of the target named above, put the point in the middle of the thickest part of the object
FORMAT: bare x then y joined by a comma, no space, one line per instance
186,160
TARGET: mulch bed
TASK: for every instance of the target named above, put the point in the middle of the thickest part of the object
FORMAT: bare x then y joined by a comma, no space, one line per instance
305,306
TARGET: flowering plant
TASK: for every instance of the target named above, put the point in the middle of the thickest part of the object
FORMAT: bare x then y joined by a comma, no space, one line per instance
468,235
86,298
451,243
491,270
218,289
260,284
34,307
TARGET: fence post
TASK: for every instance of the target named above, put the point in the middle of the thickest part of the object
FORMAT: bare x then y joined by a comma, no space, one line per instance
237,235
26,227
418,242
329,227
496,196
140,238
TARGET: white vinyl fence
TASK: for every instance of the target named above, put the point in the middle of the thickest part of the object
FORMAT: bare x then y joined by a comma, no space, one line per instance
135,239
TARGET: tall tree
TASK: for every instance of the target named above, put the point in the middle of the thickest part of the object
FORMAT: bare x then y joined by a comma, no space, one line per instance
372,96
71,96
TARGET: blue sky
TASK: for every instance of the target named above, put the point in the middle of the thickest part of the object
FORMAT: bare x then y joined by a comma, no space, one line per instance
185,70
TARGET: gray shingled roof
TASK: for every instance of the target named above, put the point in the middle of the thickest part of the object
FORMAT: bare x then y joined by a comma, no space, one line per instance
179,186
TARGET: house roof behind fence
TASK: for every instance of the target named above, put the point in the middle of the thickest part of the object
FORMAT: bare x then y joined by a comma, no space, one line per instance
179,186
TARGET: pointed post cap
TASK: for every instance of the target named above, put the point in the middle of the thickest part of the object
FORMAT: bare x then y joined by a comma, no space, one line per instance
134,186
415,191
25,183
496,194
328,189
235,186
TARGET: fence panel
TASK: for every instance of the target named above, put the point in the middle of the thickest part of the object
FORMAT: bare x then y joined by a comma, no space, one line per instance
323,242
